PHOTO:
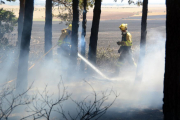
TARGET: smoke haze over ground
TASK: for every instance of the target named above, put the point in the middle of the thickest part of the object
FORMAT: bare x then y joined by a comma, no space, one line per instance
133,96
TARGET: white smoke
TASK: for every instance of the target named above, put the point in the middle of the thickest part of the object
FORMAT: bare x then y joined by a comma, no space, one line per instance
145,94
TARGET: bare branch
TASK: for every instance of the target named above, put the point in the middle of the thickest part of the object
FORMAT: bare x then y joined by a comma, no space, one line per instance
46,104
9,101
90,110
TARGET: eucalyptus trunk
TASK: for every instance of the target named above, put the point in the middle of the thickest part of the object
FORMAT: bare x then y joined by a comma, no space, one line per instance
94,32
139,73
22,81
74,36
171,106
48,29
83,42
20,21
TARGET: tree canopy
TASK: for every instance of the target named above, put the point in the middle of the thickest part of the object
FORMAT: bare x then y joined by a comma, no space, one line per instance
3,1
138,2
65,9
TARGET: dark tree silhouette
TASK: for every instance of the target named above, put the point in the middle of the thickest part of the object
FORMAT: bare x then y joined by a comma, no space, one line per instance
94,32
74,36
83,42
139,72
20,20
25,44
171,106
48,29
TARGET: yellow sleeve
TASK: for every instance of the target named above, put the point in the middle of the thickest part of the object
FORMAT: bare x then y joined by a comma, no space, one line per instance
129,40
63,36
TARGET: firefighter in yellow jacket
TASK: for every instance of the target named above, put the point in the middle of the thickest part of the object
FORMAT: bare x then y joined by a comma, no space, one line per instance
125,47
64,41
64,48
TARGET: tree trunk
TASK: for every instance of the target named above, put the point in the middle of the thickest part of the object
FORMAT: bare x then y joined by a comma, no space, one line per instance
20,21
25,44
139,72
83,42
94,32
48,29
171,106
74,36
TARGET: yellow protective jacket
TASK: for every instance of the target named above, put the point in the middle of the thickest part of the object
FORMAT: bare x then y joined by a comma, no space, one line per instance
65,37
126,40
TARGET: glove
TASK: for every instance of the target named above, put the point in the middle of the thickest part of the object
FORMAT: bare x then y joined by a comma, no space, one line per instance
119,43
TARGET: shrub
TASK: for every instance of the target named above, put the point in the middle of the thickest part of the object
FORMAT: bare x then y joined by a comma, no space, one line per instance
7,23
107,58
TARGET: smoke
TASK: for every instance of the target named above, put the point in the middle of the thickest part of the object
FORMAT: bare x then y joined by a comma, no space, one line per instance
147,94
8,64
133,95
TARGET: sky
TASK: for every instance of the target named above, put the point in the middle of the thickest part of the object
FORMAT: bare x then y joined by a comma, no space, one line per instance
42,2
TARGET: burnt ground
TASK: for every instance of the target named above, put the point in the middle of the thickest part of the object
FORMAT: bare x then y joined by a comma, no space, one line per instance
109,34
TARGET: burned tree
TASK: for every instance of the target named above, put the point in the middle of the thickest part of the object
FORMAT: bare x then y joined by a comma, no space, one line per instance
20,20
74,36
25,44
171,106
94,32
139,72
83,42
48,29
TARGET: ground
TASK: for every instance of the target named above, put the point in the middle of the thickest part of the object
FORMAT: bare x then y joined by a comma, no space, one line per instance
136,102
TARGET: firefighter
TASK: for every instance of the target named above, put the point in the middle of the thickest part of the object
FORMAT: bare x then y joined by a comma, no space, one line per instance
64,44
64,41
125,48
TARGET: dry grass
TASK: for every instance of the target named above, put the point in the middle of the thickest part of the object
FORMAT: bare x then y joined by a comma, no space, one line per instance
107,58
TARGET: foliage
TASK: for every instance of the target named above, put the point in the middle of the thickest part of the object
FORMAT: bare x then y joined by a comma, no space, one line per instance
138,2
7,23
2,1
90,3
65,9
